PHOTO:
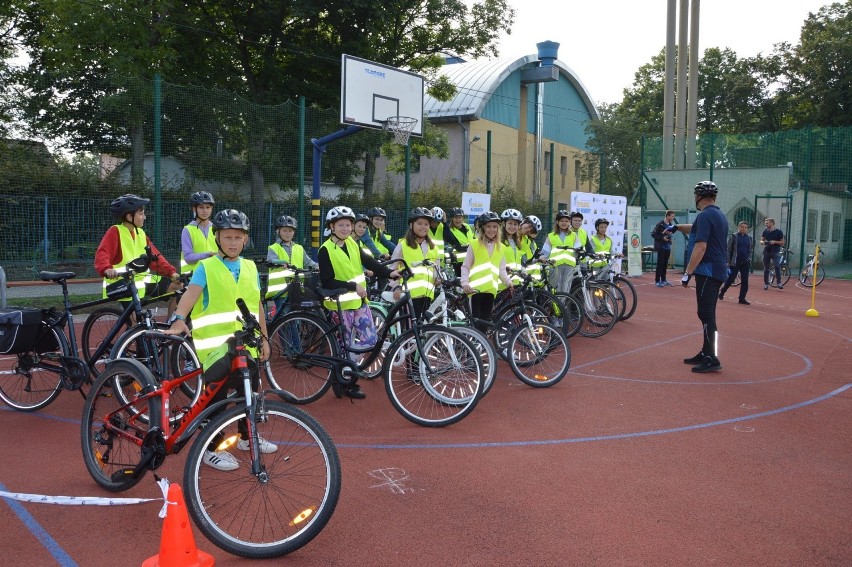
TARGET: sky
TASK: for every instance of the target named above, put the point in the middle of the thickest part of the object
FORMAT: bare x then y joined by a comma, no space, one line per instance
606,41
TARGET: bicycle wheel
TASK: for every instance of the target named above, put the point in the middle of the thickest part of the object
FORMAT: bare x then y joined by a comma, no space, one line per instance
574,314
96,328
620,299
166,360
25,383
631,299
374,369
508,319
552,307
438,386
540,355
486,352
113,432
599,310
806,277
277,510
298,334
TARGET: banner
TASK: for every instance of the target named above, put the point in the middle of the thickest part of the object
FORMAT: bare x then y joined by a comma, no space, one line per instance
595,206
634,241
474,204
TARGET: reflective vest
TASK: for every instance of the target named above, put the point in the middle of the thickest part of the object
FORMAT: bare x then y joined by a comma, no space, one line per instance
376,236
559,251
200,243
513,262
525,252
216,323
462,236
572,240
601,246
279,277
347,268
364,248
437,236
422,283
485,274
130,250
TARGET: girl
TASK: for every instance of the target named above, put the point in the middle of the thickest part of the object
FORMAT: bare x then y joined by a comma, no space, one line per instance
285,250
483,269
416,247
556,248
376,231
196,239
512,242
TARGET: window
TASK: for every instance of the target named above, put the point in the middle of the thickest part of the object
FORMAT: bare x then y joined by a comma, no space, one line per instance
824,226
812,225
835,228
743,214
577,167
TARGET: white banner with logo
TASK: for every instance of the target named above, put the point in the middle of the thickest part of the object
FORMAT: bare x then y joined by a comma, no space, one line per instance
474,204
634,241
596,206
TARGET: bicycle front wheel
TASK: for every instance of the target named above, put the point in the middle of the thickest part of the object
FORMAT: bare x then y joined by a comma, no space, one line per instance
292,341
281,508
486,351
631,299
540,355
807,276
600,310
113,432
26,384
95,330
438,385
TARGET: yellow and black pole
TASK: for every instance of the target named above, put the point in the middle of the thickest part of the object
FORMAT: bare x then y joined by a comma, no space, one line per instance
812,312
315,223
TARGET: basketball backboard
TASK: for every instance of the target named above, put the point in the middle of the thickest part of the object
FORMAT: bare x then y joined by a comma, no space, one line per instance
371,92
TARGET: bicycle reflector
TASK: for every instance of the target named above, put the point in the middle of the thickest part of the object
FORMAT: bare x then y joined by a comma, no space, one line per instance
229,442
306,513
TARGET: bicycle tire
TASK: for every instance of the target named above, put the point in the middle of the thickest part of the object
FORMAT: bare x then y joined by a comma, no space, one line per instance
111,431
620,299
737,280
486,351
443,396
573,311
277,511
374,369
296,334
26,385
507,322
630,296
96,328
553,308
599,312
540,355
806,276
785,275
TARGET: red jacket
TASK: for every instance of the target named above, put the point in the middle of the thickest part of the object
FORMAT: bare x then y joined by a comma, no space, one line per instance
108,255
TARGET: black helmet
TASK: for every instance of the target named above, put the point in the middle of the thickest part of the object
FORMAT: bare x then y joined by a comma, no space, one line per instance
601,221
456,212
575,214
376,212
285,221
231,218
419,213
361,217
706,189
486,217
128,203
201,198
563,214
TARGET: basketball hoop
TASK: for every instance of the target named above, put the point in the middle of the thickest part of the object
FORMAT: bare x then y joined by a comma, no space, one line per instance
401,126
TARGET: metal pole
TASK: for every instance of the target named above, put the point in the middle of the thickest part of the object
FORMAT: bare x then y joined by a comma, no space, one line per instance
680,103
158,189
407,176
2,287
45,240
488,162
550,203
669,88
692,94
300,235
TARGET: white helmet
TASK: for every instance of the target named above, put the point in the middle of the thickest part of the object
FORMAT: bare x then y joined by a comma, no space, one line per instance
337,213
438,214
512,214
535,221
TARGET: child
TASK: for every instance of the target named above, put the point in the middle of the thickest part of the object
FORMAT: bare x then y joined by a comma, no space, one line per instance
483,269
512,242
196,240
416,247
285,250
457,235
556,248
376,232
601,243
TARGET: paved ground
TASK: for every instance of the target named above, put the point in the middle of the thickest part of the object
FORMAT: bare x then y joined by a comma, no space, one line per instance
631,460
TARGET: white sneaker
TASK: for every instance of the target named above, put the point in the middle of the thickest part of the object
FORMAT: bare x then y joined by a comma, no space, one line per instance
221,460
265,446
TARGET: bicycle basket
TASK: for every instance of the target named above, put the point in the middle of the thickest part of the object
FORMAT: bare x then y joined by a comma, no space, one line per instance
118,290
18,329
302,292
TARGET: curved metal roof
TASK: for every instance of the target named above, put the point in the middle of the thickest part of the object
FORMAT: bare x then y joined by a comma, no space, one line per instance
476,81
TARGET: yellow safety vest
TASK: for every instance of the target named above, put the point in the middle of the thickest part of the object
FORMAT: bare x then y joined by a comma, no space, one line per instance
347,267
130,250
513,262
422,284
601,246
559,251
527,250
571,241
375,236
364,248
463,237
279,277
200,243
485,274
216,323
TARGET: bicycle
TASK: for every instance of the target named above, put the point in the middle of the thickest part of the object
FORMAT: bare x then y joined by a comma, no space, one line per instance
288,495
607,273
432,374
785,270
810,277
32,378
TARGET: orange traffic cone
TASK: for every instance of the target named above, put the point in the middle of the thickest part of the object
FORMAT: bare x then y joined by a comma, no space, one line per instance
177,546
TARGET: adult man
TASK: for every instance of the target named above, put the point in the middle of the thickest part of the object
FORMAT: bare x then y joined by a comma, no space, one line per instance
740,247
772,240
706,251
663,247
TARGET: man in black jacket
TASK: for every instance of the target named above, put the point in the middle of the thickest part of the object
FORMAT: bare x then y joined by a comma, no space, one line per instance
663,247
740,248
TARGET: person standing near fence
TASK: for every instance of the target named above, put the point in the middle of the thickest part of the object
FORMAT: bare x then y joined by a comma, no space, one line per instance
740,248
457,236
415,248
707,263
197,241
663,247
376,231
772,240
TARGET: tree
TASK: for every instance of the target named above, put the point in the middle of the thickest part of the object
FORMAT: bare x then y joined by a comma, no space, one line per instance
614,142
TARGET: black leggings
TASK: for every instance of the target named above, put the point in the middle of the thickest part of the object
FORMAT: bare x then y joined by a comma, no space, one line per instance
481,305
707,294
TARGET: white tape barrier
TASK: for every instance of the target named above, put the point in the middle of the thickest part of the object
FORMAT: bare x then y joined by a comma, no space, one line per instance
91,500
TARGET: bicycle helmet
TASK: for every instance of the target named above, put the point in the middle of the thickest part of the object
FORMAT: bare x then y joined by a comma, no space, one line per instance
438,214
486,217
361,217
419,213
575,214
201,198
285,221
340,212
706,189
456,212
512,214
231,218
535,221
376,212
128,203
563,214
601,221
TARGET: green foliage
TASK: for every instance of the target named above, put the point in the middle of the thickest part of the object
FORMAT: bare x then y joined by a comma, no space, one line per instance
434,144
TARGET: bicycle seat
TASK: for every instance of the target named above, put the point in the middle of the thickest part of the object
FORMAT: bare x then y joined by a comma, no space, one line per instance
330,293
56,276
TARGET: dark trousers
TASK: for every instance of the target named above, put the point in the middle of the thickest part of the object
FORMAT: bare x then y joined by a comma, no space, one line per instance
742,269
662,265
480,308
707,294
775,259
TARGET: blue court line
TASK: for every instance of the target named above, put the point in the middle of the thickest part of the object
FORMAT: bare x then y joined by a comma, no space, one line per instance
62,558
600,437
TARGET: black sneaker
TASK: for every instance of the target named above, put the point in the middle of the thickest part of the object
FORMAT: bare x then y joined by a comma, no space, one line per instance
354,391
709,364
765,286
697,359
745,302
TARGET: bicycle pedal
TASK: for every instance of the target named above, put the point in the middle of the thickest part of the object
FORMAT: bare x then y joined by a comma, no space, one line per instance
121,475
